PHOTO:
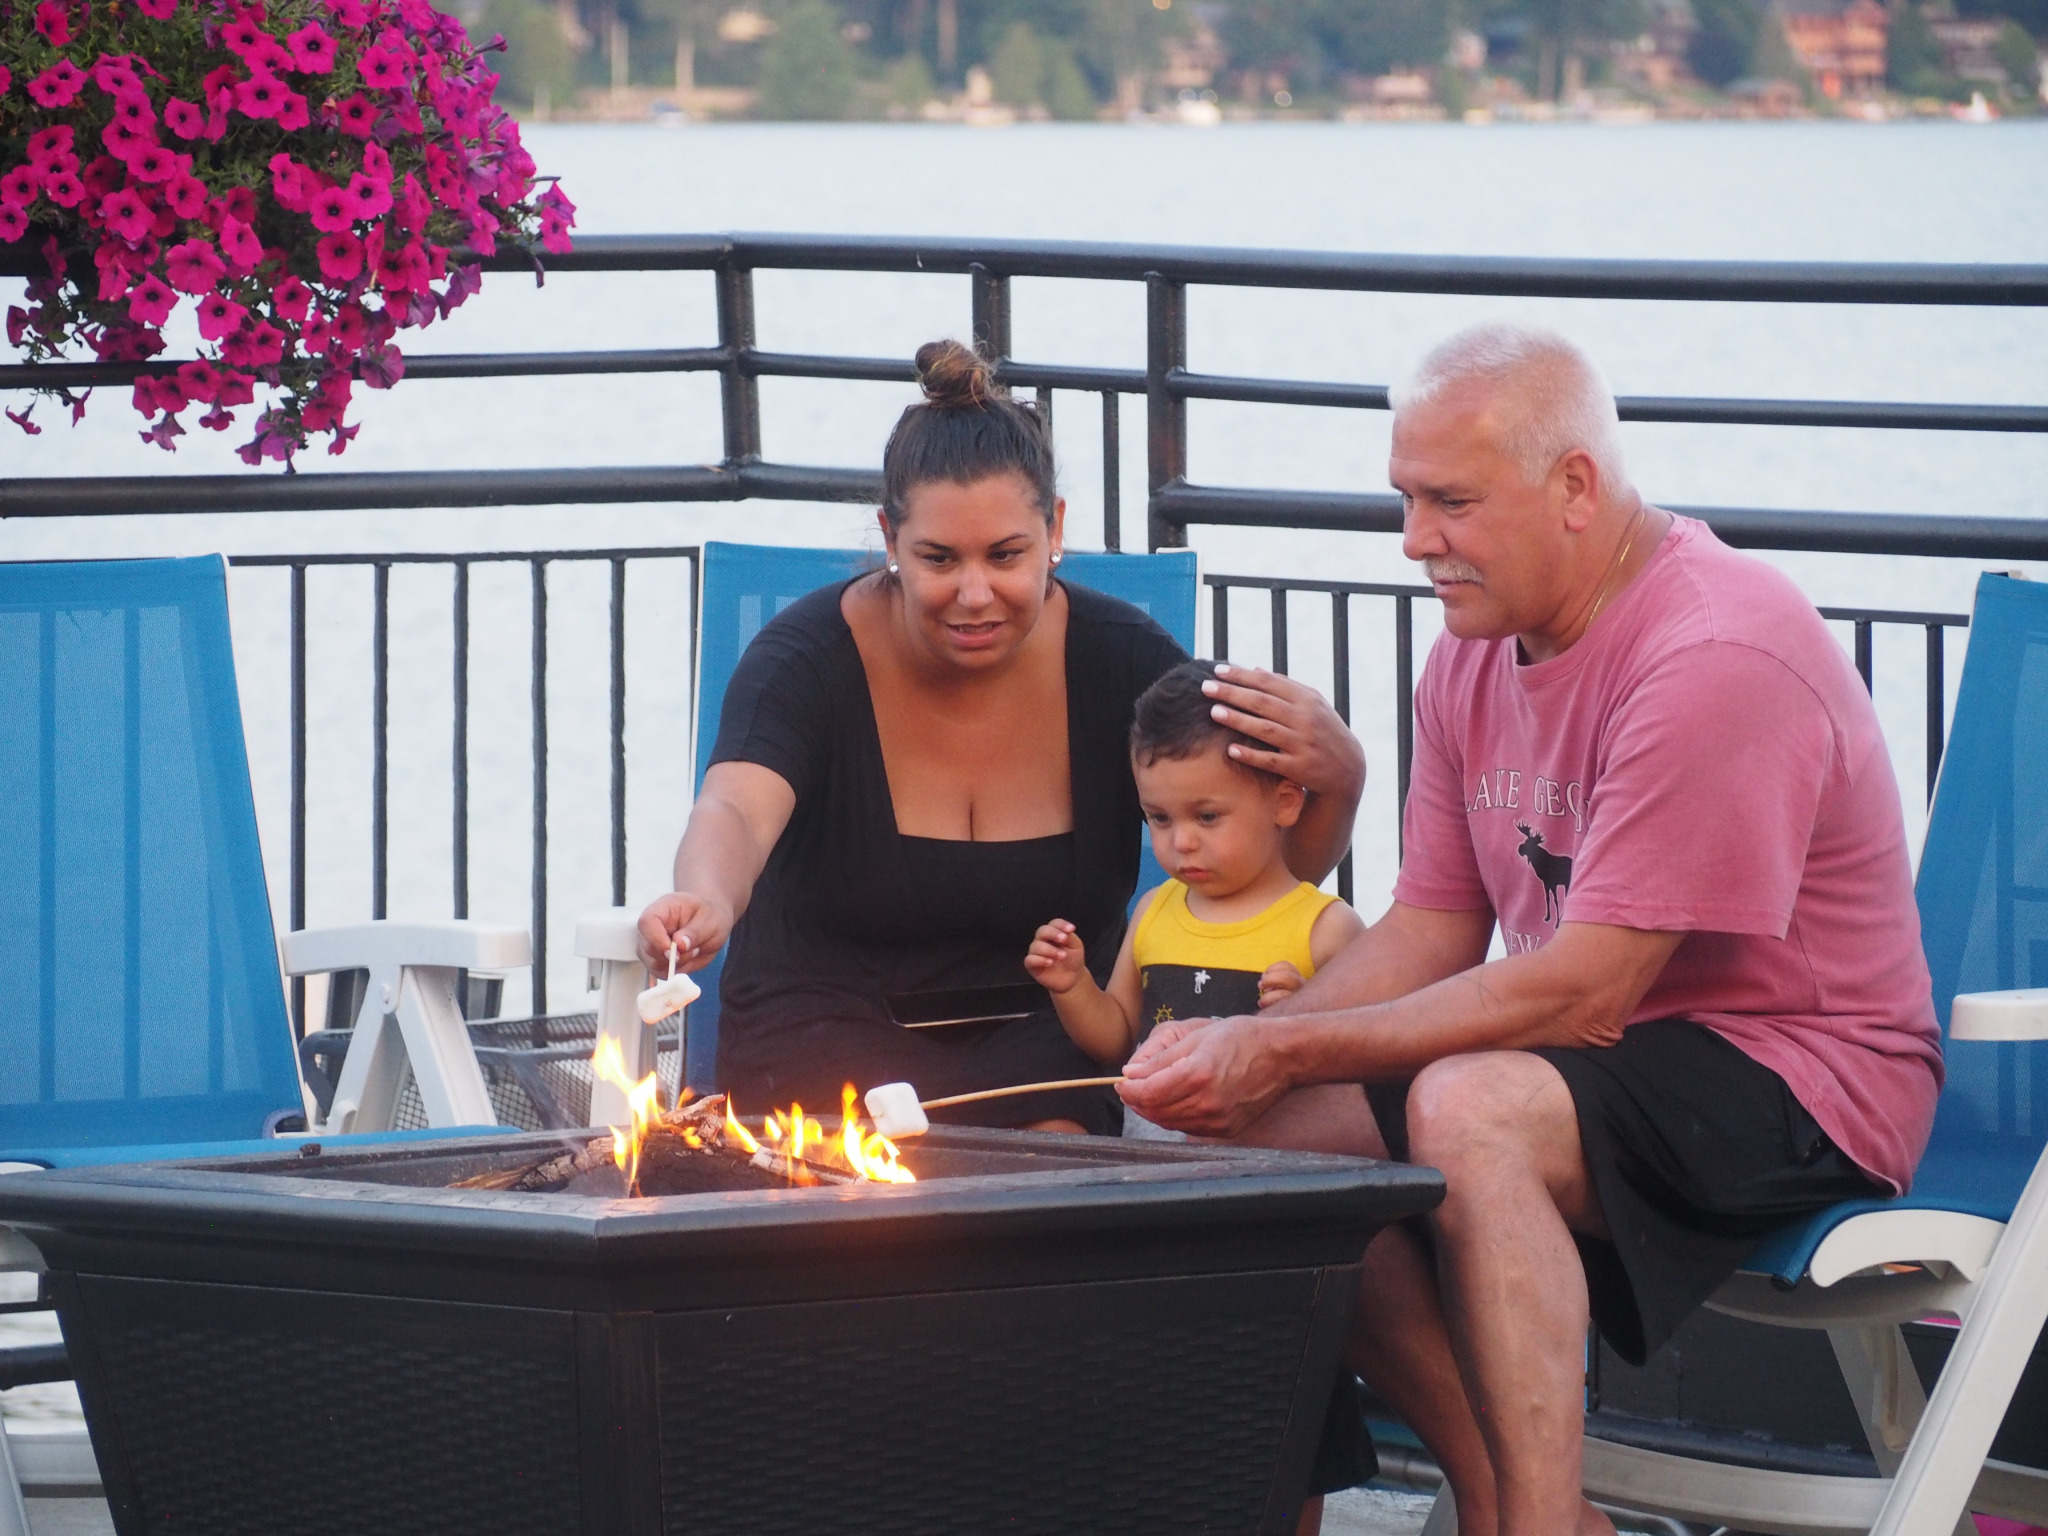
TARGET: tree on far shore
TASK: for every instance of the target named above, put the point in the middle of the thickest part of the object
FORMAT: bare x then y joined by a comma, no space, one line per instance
808,71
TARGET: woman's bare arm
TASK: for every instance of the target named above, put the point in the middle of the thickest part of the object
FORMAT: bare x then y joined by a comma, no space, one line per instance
739,815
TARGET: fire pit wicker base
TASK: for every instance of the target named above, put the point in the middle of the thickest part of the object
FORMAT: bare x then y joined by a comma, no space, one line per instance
1061,1336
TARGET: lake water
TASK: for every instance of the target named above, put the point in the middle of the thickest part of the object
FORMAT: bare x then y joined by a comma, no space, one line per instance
1907,192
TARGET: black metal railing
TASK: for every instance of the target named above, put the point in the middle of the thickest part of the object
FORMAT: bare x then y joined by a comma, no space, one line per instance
537,563
1167,384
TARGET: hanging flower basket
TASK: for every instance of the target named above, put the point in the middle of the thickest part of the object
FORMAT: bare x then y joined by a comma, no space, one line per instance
306,178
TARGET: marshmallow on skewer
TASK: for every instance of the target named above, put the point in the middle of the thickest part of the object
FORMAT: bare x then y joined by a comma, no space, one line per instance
670,996
896,1111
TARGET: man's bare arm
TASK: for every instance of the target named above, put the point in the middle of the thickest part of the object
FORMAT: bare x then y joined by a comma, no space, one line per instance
1578,990
1406,950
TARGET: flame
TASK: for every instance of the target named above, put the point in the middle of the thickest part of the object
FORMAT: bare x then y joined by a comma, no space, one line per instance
869,1154
739,1132
643,1103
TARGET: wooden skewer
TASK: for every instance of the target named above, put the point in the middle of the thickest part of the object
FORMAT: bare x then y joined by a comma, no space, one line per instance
1004,1093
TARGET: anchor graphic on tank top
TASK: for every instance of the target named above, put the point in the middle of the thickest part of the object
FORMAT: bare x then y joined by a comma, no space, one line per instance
1553,869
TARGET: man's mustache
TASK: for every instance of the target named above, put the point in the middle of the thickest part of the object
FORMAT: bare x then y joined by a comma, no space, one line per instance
1444,568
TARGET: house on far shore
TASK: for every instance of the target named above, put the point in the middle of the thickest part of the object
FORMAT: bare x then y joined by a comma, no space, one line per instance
1655,61
1840,43
1969,48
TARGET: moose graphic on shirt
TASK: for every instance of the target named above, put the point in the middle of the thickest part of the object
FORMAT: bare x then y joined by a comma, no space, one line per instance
1553,869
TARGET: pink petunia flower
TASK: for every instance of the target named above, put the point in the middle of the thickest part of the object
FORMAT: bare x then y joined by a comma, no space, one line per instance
219,315
63,188
50,146
257,344
123,142
351,13
132,107
21,420
291,298
199,379
193,267
184,119
381,367
13,222
6,79
53,20
377,163
372,197
332,209
382,68
115,76
241,248
241,35
162,10
341,256
151,300
235,203
162,434
152,162
18,187
185,195
313,51
235,388
260,96
357,115
293,114
126,215
58,86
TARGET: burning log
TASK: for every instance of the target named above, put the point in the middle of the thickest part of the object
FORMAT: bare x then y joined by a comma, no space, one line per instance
696,1129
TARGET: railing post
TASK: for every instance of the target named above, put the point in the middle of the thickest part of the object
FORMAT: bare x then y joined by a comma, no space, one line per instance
1340,696
458,745
1112,473
1166,414
1219,621
540,788
739,390
1865,663
380,740
991,295
298,755
1278,598
1937,699
618,733
1404,710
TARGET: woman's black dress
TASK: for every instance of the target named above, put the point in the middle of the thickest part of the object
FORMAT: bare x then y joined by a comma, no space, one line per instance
853,926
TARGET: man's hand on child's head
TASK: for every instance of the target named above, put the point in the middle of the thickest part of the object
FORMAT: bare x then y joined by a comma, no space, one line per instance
1057,958
1278,981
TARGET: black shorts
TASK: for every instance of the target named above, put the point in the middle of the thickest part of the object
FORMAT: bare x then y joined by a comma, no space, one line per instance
1696,1151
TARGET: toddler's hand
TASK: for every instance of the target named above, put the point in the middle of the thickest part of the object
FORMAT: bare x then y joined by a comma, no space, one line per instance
1057,958
1278,981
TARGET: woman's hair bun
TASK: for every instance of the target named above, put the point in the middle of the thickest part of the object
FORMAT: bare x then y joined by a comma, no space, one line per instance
953,377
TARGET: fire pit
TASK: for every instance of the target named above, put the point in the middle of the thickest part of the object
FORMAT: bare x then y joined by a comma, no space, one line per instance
1041,1334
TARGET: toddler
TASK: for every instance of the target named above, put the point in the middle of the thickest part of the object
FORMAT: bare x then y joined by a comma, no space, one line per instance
1233,930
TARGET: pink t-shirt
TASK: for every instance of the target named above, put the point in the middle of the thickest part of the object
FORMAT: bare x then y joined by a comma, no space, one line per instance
1705,759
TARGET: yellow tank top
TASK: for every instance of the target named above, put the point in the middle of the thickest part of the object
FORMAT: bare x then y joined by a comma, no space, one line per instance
1195,970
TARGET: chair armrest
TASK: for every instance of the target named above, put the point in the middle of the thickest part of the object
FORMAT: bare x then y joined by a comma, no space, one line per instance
2016,1015
462,944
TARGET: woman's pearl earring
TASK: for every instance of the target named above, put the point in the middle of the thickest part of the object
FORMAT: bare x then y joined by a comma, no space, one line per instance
894,567
1056,557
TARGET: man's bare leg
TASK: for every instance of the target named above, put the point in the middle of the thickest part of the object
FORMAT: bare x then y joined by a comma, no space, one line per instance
1502,1128
1398,1342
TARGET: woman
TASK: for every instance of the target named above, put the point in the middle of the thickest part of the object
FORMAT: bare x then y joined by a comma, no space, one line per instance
916,768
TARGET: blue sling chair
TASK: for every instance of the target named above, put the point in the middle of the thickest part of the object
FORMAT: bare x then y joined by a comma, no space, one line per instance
142,1011
746,585
1975,1226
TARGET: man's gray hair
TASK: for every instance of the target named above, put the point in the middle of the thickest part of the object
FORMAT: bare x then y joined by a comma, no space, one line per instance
1553,397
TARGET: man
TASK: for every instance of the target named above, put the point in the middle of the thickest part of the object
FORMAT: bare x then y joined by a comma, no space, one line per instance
1643,757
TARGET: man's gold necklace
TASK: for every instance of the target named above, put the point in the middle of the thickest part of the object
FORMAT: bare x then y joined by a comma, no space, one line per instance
1614,570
